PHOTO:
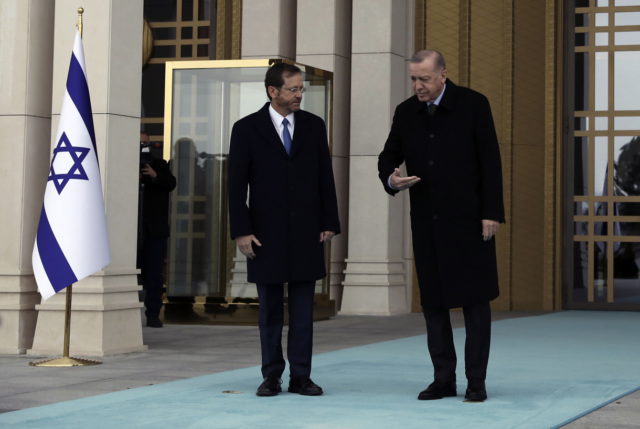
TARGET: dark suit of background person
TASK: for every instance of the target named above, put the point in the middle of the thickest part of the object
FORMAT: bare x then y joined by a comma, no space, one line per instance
156,181
455,180
291,211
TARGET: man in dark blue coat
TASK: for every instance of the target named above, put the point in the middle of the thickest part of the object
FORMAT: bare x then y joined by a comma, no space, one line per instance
446,137
279,156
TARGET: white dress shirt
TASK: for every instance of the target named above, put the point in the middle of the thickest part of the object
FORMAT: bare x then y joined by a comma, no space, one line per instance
277,119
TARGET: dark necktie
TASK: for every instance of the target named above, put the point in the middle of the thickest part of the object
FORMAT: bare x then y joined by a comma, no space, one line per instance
286,137
432,109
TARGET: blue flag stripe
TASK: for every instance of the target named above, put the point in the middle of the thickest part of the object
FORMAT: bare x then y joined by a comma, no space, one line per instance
79,92
53,260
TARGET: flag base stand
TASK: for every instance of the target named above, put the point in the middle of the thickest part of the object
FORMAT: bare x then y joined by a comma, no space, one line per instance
65,362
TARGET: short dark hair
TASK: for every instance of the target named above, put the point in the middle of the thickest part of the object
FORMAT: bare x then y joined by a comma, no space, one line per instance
276,74
420,56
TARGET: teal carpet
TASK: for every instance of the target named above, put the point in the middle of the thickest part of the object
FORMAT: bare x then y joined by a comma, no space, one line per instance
544,371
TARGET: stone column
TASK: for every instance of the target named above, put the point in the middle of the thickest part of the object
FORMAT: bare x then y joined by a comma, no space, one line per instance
269,29
26,41
376,277
324,41
106,313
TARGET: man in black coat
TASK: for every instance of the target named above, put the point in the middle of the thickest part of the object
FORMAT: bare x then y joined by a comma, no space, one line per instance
280,156
156,181
446,137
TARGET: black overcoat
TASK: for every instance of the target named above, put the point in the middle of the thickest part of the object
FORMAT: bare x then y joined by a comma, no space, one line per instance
291,198
456,155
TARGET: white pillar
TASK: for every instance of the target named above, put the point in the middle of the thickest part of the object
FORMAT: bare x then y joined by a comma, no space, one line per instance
106,313
376,278
26,41
324,41
269,29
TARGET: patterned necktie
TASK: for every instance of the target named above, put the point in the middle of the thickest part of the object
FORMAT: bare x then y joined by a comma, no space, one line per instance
286,137
432,109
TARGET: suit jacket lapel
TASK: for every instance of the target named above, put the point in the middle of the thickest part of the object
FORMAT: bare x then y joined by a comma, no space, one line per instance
268,131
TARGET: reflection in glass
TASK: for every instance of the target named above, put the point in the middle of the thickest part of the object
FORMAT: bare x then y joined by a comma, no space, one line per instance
627,90
580,208
625,271
627,18
627,38
626,123
602,80
600,166
580,167
581,81
602,19
602,124
581,272
602,39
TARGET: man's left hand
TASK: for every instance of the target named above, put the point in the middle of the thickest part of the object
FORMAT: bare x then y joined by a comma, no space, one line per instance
326,236
489,229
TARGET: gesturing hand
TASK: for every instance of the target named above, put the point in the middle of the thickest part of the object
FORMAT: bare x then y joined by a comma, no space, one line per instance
326,236
399,182
245,244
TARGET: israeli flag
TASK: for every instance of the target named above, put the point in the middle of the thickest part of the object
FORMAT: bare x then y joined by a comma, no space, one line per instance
71,241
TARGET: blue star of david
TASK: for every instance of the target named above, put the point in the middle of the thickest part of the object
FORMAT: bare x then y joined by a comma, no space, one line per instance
77,154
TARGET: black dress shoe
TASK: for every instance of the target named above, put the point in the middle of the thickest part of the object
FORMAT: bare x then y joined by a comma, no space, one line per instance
476,392
304,386
154,322
438,390
269,387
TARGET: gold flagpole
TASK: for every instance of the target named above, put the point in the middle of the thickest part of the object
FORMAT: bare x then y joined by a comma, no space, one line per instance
65,360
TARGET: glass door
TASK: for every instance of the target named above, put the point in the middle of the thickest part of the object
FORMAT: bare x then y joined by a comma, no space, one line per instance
604,156
206,275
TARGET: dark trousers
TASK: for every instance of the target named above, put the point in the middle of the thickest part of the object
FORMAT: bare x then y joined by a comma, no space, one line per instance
477,323
154,251
271,321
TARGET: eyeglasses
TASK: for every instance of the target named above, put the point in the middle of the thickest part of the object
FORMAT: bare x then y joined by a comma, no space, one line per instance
295,89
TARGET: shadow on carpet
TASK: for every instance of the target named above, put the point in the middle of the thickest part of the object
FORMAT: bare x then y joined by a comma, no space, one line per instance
544,371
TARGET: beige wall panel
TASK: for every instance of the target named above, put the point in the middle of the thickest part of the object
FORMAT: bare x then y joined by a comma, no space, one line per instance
529,74
528,130
490,72
528,224
443,33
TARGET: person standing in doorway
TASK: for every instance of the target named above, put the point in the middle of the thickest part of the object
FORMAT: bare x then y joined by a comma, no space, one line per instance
156,182
279,156
446,138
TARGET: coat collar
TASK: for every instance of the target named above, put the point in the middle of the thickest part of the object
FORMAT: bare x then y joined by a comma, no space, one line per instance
447,101
265,125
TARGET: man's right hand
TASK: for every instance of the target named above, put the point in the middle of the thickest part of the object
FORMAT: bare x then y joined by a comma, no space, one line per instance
245,244
399,183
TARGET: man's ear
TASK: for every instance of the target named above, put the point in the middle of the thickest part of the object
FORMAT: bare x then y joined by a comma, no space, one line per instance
273,91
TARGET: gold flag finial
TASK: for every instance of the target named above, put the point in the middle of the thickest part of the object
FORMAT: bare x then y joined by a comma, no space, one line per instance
80,12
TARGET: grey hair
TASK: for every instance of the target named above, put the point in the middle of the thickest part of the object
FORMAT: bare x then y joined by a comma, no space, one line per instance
420,56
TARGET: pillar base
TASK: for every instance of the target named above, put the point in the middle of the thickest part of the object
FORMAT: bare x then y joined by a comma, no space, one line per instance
374,287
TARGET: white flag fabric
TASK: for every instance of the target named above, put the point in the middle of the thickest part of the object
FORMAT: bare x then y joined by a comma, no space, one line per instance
71,241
